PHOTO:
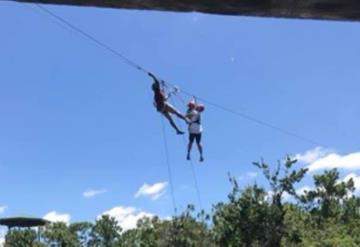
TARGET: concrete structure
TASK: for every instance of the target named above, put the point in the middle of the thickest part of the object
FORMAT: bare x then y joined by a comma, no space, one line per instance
308,9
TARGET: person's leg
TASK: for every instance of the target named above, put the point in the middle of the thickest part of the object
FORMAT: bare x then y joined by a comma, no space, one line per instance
173,110
200,148
191,140
172,123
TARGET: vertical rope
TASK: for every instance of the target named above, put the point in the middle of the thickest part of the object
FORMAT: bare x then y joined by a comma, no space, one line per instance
198,195
168,166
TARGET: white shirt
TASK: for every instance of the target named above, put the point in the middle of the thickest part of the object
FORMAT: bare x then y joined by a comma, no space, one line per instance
195,125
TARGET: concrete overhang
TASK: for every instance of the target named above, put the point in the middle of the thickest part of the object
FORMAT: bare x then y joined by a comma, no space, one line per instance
346,10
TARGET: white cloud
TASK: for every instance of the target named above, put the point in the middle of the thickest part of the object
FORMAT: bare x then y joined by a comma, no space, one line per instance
350,161
2,237
2,209
251,174
54,216
248,175
92,193
312,155
153,191
356,179
301,191
127,217
286,196
320,158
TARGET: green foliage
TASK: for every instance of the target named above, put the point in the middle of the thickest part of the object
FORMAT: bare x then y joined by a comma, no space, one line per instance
105,232
251,218
59,234
242,221
147,233
330,234
326,200
281,181
185,230
82,232
326,216
21,238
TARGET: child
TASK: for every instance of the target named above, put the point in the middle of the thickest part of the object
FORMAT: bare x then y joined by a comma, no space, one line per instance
195,128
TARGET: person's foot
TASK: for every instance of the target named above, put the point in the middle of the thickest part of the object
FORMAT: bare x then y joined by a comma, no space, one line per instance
179,132
201,159
188,156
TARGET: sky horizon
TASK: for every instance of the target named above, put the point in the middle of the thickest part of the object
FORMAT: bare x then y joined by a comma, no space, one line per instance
81,138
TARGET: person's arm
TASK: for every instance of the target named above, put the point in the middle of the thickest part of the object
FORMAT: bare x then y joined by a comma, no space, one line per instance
157,82
152,76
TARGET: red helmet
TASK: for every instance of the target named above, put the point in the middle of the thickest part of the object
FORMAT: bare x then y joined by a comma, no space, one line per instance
191,104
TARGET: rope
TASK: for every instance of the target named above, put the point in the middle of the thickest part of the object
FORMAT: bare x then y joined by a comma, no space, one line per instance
168,166
138,67
195,181
55,21
198,195
93,39
252,119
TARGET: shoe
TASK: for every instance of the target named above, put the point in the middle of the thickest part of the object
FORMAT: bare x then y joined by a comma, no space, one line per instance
179,132
188,157
201,159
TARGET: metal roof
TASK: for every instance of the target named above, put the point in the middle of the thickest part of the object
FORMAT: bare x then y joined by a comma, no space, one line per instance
23,222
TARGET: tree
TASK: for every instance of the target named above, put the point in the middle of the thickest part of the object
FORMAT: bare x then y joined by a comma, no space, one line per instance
326,216
105,233
250,218
21,238
82,232
145,234
59,234
188,230
243,220
281,181
326,200
334,213
185,230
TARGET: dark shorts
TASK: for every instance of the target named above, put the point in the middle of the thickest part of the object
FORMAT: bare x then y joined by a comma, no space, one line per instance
196,137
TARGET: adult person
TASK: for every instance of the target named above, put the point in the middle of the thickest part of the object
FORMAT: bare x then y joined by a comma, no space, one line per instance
163,106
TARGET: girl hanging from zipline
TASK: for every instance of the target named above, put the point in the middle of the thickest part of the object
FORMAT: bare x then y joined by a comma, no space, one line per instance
195,128
163,106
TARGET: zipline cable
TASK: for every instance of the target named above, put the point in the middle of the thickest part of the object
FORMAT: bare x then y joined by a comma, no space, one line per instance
130,63
250,118
92,38
168,166
53,20
138,67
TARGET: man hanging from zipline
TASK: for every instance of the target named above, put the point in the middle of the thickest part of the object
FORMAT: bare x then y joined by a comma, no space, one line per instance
163,106
195,128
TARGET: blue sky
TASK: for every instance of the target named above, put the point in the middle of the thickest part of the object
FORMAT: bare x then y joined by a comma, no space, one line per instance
75,118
